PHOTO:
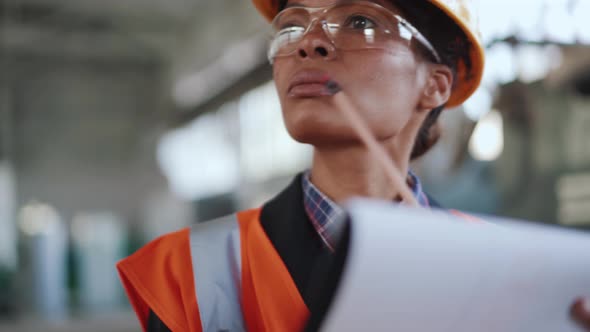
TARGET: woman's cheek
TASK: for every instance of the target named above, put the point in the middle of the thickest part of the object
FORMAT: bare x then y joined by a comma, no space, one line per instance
387,107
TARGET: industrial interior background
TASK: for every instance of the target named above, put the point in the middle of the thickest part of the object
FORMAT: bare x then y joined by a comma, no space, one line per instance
123,120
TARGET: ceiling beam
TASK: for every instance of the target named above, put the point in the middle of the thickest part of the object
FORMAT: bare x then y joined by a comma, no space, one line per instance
30,39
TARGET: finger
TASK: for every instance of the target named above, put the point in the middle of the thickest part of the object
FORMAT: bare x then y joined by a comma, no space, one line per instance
580,311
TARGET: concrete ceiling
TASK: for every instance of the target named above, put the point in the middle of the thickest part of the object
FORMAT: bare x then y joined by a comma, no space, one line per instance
157,9
184,37
154,29
90,28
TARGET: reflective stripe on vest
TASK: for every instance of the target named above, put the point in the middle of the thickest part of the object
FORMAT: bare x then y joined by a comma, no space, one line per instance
216,258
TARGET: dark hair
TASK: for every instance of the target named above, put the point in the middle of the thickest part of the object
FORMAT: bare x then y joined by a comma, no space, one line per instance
428,135
451,43
446,36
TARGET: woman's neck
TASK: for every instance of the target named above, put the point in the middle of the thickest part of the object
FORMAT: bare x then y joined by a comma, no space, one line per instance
350,170
345,172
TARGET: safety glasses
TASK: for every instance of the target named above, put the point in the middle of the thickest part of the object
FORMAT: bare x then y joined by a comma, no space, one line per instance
349,26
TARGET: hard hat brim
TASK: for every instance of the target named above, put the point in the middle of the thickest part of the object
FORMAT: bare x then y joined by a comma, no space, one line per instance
467,80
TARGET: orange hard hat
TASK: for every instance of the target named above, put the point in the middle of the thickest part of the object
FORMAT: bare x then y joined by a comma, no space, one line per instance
461,13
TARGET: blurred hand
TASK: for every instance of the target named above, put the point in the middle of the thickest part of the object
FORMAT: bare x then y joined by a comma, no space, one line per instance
581,312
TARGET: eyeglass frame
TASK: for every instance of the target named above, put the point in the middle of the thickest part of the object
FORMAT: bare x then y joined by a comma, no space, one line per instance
402,22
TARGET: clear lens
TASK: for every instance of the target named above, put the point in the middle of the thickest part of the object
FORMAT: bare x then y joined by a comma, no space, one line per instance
361,26
349,26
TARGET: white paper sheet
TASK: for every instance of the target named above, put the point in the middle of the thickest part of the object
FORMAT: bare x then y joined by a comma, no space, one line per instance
420,270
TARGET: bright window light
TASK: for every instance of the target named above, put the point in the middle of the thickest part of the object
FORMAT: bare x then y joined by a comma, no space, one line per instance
478,105
487,141
266,149
199,159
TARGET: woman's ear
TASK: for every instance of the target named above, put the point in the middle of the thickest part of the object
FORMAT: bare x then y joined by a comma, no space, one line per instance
438,87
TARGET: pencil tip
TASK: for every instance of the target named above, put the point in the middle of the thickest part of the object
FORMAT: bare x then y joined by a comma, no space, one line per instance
333,87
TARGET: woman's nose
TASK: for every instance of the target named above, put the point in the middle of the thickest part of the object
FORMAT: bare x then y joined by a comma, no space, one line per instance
316,45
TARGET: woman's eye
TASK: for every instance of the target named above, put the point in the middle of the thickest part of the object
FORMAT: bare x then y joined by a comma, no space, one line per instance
359,22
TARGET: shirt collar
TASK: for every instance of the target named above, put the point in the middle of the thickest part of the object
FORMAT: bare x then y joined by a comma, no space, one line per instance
327,217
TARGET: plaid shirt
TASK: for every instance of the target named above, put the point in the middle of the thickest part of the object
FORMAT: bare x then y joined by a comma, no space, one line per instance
326,215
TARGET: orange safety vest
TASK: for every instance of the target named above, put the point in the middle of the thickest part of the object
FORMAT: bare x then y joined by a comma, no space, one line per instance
214,277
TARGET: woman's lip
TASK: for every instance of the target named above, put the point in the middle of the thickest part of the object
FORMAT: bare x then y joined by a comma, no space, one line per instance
310,83
310,90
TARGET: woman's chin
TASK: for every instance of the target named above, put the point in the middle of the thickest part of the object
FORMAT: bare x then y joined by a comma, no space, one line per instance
322,136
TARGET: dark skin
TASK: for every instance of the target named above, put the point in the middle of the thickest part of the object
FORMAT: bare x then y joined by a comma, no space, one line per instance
393,89
581,313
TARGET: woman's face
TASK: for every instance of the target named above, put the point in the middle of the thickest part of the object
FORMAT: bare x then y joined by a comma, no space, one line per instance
384,85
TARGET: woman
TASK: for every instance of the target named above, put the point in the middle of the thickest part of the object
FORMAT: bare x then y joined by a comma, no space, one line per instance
399,63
